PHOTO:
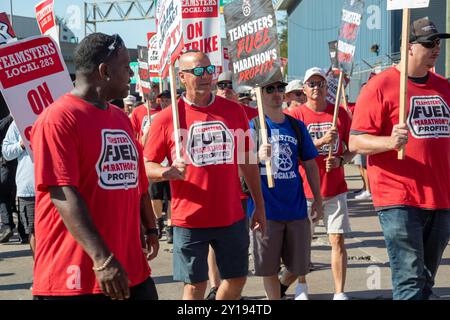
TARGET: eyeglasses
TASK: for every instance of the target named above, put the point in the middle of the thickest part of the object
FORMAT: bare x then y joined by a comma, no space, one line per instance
432,44
225,85
116,44
319,84
299,93
271,89
200,71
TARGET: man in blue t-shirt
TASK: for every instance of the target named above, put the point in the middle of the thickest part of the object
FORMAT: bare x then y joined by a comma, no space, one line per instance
288,232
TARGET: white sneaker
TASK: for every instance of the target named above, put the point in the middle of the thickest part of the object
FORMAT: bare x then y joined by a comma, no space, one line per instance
365,195
301,291
340,296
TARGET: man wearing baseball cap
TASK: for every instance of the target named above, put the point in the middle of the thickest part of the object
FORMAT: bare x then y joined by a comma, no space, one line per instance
411,195
294,92
317,114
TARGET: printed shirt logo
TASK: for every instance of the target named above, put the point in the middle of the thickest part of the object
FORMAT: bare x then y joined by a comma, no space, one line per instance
117,167
210,143
282,157
317,131
429,117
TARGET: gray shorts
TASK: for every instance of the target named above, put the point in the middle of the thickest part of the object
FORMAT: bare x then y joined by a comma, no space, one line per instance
26,211
335,214
360,160
190,252
289,241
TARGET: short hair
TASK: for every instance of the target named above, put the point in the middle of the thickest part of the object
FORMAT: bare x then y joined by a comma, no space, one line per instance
92,51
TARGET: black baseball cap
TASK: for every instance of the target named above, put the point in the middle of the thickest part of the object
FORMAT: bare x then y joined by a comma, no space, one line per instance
424,30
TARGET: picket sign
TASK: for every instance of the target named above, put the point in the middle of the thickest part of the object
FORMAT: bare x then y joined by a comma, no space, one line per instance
336,108
405,5
264,134
175,116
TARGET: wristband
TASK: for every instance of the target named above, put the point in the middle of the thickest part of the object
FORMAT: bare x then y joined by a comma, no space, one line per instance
105,264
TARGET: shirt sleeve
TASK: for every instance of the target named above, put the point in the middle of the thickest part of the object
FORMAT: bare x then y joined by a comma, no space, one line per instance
143,180
369,110
308,149
56,153
156,146
11,148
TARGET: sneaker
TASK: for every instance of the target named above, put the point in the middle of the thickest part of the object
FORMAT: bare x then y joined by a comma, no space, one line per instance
212,294
340,296
169,234
301,291
25,240
5,234
366,195
434,297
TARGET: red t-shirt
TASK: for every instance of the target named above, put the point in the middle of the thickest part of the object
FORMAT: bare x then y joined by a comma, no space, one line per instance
139,119
94,150
210,194
318,123
250,112
422,178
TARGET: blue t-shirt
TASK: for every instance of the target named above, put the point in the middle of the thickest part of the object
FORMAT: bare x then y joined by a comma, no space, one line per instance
286,201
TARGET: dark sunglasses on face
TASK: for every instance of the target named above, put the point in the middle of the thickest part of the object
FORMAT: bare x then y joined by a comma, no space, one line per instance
319,84
115,45
271,89
299,93
432,44
225,85
200,71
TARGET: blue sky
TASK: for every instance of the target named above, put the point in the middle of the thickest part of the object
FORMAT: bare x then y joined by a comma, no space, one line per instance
133,32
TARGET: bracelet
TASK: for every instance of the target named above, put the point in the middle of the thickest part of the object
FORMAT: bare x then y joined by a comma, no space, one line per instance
105,264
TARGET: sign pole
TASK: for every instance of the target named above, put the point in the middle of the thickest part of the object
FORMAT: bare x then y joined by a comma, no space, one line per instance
404,75
336,109
265,139
176,120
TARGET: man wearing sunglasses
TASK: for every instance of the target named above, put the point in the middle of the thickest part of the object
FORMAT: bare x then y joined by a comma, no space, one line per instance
317,114
205,183
411,196
91,197
288,236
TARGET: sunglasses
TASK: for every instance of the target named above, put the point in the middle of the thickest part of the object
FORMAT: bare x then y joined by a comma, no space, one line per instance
319,84
271,89
200,71
299,93
115,45
432,44
225,85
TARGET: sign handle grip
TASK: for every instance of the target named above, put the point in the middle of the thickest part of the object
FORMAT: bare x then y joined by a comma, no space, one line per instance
336,108
176,120
404,75
265,139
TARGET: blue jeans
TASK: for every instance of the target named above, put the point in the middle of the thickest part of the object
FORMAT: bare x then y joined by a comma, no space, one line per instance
415,241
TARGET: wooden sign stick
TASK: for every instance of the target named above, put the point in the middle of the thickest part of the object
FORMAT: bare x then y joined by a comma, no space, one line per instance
336,109
176,120
404,76
265,139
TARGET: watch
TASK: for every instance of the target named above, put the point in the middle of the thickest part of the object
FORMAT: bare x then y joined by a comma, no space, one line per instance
151,231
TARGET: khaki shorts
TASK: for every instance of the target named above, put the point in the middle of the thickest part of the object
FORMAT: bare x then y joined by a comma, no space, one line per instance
335,214
286,240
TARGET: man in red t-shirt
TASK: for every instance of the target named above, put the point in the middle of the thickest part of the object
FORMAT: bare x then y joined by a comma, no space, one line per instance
411,196
91,186
206,208
317,114
140,115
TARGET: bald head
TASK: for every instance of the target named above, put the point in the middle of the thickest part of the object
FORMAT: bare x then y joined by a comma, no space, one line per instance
192,59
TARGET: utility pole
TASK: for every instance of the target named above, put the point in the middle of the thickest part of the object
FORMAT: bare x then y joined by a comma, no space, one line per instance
11,13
